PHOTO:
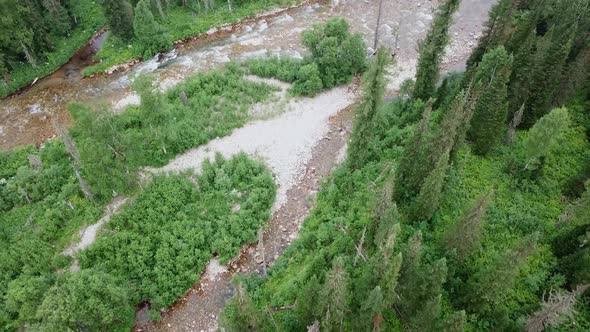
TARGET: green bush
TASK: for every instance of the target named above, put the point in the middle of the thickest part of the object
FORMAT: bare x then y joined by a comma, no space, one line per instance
308,81
161,242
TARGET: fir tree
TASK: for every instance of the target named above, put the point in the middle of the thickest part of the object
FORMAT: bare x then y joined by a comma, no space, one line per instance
431,51
306,307
242,314
542,136
488,121
119,14
412,168
497,30
149,33
334,297
372,310
428,199
360,150
549,62
464,236
487,285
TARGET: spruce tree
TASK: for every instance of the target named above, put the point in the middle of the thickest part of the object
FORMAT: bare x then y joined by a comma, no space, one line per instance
372,310
431,51
242,314
334,297
428,200
552,52
151,36
542,136
491,109
360,149
412,168
488,285
119,14
464,236
306,307
497,30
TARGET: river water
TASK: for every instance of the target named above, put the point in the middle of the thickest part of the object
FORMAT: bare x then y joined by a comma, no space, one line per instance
26,118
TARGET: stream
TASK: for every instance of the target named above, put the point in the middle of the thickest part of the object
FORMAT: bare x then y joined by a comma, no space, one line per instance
301,139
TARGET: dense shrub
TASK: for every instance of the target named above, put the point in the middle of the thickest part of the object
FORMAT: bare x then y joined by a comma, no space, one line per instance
336,56
160,243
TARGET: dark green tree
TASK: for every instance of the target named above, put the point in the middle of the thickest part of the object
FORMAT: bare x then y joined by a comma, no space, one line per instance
119,14
542,136
464,236
241,313
497,30
372,310
412,168
334,297
428,200
488,121
307,302
431,51
150,35
360,150
487,285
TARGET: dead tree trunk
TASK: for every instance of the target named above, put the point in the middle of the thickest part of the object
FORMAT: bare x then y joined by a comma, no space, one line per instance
514,124
72,150
378,24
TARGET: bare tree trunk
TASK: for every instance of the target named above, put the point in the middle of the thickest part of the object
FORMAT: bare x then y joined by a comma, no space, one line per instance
28,55
513,124
261,250
72,150
377,27
229,5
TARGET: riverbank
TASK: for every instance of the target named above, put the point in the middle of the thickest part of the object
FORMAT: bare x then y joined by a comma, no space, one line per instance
182,25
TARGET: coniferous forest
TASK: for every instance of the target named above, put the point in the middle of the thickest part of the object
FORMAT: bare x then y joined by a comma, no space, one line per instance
463,203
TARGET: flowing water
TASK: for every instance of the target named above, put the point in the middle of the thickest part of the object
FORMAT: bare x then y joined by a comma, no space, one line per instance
26,118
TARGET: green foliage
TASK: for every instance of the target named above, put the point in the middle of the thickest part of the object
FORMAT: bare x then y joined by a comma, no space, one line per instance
336,56
150,35
488,121
366,116
48,57
119,14
308,82
431,51
85,300
171,218
543,135
429,197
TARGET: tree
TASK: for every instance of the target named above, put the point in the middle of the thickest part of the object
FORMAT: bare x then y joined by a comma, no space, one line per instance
306,307
241,313
497,29
488,121
86,300
543,135
557,308
487,285
428,200
119,14
334,297
360,150
550,59
372,309
412,168
464,236
151,36
431,51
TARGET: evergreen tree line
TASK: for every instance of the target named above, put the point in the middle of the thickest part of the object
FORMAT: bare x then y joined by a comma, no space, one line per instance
459,236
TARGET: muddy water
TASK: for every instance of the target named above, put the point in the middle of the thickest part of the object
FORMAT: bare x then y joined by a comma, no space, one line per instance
25,118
